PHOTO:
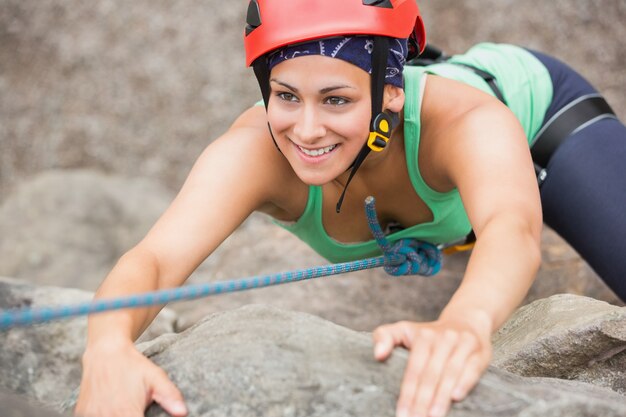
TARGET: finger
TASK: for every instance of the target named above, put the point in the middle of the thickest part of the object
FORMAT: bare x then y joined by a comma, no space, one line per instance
452,374
469,377
433,373
388,337
383,343
418,358
165,393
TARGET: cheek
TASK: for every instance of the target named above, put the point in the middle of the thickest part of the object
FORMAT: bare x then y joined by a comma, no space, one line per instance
352,126
277,119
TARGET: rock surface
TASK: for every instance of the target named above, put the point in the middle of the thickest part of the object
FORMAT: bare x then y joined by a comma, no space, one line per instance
566,337
16,406
68,228
260,361
42,362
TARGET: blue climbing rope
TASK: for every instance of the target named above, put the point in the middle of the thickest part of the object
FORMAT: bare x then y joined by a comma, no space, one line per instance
418,257
404,257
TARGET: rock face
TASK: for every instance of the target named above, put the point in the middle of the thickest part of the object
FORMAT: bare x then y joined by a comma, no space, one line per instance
260,360
68,228
16,406
264,361
42,362
566,337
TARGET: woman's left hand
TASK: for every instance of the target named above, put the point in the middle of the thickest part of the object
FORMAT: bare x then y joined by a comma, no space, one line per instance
447,358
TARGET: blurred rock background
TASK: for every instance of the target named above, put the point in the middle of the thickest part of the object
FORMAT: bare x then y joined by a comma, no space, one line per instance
104,106
139,88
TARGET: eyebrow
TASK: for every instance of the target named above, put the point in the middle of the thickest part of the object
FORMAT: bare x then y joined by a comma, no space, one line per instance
322,91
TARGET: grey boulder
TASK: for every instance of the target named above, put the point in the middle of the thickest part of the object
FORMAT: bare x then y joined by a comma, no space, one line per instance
262,361
68,228
16,406
567,337
43,362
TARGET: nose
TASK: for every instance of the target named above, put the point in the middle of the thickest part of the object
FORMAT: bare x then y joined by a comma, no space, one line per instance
309,127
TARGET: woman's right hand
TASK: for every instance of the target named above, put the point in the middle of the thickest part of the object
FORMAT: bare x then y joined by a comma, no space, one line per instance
121,382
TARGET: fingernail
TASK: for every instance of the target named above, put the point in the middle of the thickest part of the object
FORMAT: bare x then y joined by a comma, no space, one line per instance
178,407
458,394
402,412
379,349
437,411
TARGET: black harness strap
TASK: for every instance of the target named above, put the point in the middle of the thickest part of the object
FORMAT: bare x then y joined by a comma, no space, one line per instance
571,118
488,77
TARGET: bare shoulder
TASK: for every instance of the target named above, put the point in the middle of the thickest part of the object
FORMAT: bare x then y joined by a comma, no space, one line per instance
461,125
476,144
247,151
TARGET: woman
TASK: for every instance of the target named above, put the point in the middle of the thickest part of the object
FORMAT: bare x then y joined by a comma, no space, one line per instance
440,152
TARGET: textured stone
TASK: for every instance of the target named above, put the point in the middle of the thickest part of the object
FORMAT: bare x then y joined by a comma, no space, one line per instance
42,362
68,228
566,337
16,406
260,361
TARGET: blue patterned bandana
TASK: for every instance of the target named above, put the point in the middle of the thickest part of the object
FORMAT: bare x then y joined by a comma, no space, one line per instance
356,50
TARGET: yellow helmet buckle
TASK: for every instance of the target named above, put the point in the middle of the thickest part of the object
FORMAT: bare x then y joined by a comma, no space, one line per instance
380,132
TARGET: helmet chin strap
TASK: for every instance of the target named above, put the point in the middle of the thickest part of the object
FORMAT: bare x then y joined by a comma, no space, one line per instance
262,72
381,124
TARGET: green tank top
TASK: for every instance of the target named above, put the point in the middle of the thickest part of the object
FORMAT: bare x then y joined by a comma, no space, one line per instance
527,89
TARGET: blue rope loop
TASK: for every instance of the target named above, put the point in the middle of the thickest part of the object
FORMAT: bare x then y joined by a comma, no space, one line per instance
404,256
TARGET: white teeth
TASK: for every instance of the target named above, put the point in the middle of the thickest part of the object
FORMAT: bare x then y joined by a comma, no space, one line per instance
317,152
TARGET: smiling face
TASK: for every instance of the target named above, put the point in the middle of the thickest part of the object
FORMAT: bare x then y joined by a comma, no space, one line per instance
319,111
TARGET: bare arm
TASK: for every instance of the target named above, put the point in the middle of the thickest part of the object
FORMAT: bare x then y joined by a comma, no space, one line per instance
482,151
492,168
236,175
230,180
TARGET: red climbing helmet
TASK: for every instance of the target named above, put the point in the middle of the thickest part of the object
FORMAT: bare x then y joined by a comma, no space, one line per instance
272,24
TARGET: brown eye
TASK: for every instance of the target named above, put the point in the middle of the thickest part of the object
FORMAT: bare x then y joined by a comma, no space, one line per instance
337,101
287,97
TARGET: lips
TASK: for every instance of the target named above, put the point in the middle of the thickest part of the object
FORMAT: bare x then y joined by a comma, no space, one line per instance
318,151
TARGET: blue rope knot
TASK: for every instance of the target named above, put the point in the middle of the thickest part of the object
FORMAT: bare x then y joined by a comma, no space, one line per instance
405,256
412,257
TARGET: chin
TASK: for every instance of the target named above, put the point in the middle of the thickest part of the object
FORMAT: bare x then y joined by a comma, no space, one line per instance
315,177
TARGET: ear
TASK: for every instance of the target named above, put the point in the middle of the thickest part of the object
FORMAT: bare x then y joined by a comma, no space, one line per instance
393,98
